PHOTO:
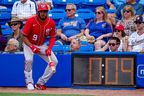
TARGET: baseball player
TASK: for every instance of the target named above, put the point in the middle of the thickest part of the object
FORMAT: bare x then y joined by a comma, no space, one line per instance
35,32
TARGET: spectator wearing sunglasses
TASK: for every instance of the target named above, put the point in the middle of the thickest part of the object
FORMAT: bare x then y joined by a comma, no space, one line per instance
138,8
70,26
119,33
99,28
128,20
113,45
16,26
136,40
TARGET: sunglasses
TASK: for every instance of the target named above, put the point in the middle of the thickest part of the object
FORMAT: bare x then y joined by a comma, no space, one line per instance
98,12
45,11
117,30
68,10
112,44
127,11
138,22
13,24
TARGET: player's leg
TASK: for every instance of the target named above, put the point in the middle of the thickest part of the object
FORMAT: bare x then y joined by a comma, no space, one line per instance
48,71
28,54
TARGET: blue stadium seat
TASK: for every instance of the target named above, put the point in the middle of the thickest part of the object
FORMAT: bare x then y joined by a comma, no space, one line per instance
57,14
86,47
8,2
66,49
110,10
6,30
85,14
5,16
92,4
141,2
117,3
58,48
62,3
1,2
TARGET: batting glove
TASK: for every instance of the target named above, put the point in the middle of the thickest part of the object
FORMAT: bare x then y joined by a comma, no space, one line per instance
48,52
34,49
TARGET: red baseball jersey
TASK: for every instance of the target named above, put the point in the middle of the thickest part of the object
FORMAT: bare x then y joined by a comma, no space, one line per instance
37,30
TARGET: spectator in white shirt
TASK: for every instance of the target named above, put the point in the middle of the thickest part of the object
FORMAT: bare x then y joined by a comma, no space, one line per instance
23,9
136,40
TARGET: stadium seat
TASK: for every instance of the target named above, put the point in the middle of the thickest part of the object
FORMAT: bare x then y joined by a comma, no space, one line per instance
6,30
5,16
117,3
110,10
57,14
85,14
141,2
86,47
62,3
58,48
66,49
92,4
8,2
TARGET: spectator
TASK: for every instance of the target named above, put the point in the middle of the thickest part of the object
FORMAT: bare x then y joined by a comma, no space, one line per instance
16,25
113,45
138,8
136,40
71,26
23,9
99,28
128,20
112,19
119,33
75,44
3,40
12,46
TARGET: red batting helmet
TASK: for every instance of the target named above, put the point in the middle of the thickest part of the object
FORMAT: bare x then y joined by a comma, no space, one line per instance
119,27
43,6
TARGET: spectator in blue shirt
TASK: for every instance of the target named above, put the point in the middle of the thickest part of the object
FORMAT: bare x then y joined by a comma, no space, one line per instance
71,26
137,7
99,28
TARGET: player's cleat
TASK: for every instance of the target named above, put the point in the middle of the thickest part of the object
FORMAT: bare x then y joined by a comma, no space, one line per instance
40,87
30,86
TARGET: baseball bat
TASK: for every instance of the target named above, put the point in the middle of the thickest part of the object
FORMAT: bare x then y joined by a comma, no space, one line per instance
52,65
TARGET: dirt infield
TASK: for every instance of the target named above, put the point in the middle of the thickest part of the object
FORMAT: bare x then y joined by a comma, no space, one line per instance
95,92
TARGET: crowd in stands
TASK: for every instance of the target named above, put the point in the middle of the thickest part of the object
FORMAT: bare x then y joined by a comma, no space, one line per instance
118,31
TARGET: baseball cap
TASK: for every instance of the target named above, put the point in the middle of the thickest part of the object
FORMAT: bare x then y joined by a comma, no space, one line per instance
43,6
119,27
139,19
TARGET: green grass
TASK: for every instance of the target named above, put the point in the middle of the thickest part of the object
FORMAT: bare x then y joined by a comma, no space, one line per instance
31,94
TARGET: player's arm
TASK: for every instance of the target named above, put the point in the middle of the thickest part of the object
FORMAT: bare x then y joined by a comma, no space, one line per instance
33,47
26,41
52,39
